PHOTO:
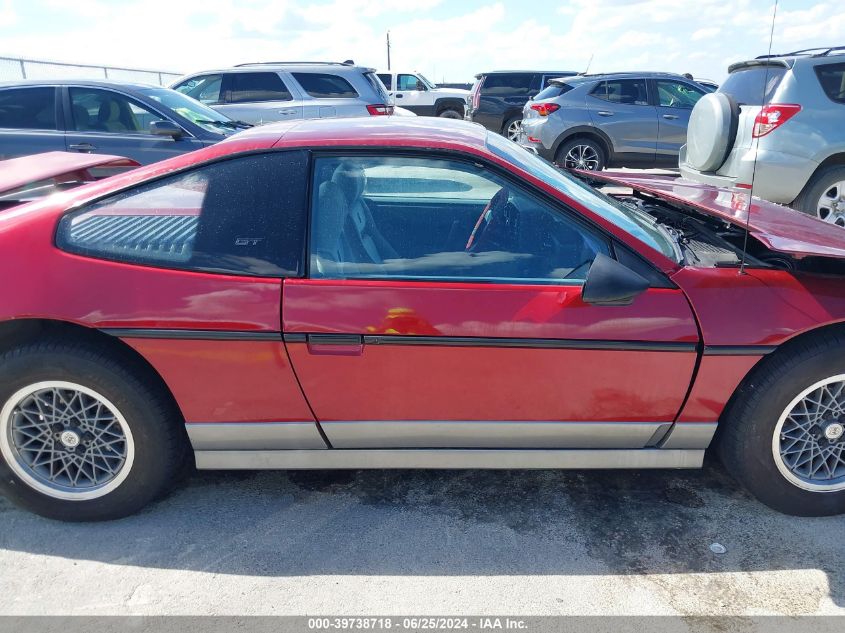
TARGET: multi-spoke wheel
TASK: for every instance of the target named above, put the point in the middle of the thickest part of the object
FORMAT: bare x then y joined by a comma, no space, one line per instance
809,440
84,434
783,435
512,128
581,153
66,440
824,196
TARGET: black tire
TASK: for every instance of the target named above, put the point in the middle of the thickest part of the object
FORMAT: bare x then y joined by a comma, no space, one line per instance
749,424
570,145
507,128
450,113
808,200
157,431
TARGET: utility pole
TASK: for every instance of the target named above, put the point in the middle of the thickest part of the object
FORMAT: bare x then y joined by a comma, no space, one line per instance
388,50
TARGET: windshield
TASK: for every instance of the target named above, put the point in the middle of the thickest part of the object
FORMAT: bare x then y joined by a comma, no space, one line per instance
192,110
640,225
426,81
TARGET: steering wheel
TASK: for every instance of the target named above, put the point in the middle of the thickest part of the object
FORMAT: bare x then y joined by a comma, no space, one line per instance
494,213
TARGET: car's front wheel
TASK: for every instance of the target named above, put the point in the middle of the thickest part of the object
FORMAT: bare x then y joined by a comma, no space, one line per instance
83,436
784,433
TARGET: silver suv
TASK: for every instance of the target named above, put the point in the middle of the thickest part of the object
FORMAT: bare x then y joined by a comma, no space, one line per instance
791,110
611,120
280,91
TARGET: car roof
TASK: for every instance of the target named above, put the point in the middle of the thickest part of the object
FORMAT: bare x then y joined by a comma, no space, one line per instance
430,132
533,72
647,74
788,60
275,66
98,83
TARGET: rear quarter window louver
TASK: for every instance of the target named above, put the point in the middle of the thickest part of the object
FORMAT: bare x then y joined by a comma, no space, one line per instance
143,237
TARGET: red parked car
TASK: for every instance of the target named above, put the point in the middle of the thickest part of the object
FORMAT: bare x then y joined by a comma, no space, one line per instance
411,294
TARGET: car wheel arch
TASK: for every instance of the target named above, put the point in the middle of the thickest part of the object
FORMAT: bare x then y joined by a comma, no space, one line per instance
834,160
593,134
18,332
449,103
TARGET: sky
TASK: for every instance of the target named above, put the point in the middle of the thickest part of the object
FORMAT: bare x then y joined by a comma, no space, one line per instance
447,40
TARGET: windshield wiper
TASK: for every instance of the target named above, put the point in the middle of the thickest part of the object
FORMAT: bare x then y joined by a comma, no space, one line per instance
233,125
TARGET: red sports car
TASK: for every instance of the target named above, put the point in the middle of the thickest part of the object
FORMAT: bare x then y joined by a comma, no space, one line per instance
411,294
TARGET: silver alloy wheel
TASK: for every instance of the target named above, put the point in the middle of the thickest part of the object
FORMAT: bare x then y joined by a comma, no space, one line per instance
513,129
581,157
831,205
65,440
809,439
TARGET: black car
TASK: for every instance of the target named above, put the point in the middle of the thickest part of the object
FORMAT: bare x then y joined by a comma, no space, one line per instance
498,96
144,123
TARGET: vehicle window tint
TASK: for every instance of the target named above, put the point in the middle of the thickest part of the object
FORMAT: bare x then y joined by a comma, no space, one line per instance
254,87
377,85
754,85
95,110
387,80
406,82
677,94
28,108
832,79
552,91
624,91
325,86
205,89
435,219
507,84
242,216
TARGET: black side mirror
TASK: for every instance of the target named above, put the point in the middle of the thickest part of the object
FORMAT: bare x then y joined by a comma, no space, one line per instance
166,128
421,86
610,283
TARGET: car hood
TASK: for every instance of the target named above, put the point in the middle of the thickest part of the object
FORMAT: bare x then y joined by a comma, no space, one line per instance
777,227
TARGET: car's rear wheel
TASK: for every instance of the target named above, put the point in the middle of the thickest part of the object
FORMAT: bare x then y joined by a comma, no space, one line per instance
784,433
82,436
824,196
581,153
450,114
512,128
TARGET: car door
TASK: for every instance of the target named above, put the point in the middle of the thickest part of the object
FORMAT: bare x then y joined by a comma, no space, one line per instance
30,121
621,109
408,95
443,308
258,97
674,100
104,121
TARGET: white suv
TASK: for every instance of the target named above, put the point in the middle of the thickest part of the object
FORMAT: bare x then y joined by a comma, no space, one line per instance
413,91
281,91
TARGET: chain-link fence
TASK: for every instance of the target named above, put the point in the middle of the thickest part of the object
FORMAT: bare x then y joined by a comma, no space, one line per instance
12,68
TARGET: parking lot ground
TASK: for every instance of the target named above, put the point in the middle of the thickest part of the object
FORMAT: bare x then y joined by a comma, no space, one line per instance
431,542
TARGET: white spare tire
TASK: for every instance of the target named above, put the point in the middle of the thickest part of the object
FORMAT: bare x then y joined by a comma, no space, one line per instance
712,131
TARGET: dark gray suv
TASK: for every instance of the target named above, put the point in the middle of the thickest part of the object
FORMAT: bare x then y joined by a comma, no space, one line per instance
611,120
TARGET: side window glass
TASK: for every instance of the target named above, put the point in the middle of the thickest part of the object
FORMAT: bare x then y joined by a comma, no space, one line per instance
406,82
387,80
254,87
507,84
325,86
832,79
205,89
106,111
242,216
439,220
675,94
28,108
623,91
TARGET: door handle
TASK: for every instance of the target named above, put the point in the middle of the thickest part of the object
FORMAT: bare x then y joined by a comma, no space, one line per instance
337,344
287,111
671,117
82,147
604,113
399,95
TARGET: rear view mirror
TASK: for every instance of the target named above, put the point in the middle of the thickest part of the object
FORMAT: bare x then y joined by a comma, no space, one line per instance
166,128
610,283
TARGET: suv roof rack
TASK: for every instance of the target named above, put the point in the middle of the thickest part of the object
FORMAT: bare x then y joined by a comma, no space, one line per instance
348,62
820,51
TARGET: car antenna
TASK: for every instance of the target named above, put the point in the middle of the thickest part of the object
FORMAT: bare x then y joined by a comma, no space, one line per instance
757,149
589,63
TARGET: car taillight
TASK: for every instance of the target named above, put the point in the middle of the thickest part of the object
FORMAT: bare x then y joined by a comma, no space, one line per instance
379,109
545,109
772,116
475,96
